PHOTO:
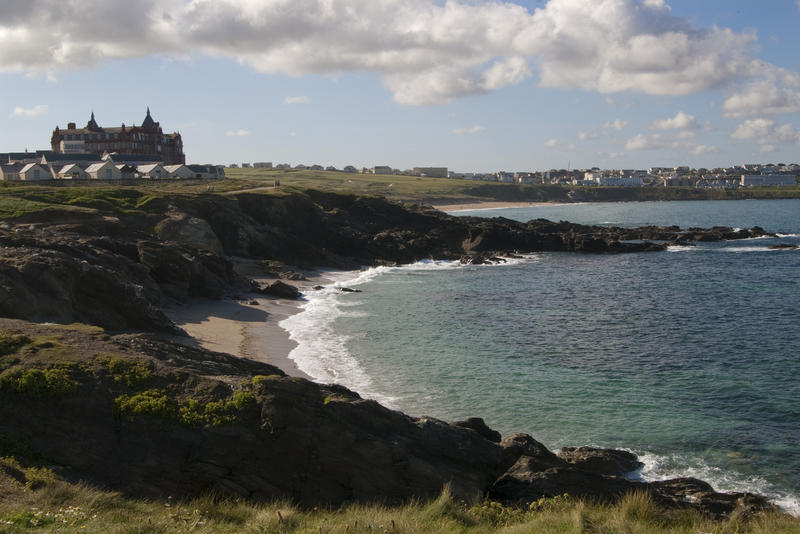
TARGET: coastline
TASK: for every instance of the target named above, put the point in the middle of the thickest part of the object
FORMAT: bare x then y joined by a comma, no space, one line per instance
245,326
485,205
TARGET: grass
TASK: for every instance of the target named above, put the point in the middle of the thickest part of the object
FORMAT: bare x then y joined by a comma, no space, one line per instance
20,199
53,505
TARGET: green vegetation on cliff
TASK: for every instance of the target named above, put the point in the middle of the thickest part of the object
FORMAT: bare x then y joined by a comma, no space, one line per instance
18,199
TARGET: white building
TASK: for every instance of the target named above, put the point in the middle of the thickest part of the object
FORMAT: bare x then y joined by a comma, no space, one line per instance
72,171
180,171
154,170
760,180
105,170
33,172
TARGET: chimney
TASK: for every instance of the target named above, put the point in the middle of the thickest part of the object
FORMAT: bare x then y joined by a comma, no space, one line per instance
71,126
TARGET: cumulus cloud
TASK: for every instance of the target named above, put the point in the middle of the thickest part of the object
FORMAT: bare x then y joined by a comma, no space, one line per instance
699,150
550,143
35,111
617,124
681,121
764,97
766,132
471,130
237,133
296,100
645,142
426,51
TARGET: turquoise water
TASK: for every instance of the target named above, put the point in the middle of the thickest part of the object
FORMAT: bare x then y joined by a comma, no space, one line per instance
686,357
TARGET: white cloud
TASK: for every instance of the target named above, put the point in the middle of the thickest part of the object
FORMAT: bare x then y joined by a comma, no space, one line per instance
699,150
426,51
551,143
617,124
471,130
587,136
686,134
237,133
766,132
35,111
681,121
768,148
764,97
296,100
645,142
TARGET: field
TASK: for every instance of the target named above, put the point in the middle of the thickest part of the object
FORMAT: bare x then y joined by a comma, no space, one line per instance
18,198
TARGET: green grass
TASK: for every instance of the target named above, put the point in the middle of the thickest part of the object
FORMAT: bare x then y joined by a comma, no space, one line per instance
52,505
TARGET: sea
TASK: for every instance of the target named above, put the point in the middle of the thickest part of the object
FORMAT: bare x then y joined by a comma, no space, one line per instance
688,357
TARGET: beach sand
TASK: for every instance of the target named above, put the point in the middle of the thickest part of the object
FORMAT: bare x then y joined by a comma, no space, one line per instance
245,327
485,205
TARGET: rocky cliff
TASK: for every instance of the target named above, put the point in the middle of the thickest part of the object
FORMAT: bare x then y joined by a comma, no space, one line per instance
140,414
116,269
136,412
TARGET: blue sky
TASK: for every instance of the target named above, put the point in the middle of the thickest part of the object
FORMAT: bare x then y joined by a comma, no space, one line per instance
467,84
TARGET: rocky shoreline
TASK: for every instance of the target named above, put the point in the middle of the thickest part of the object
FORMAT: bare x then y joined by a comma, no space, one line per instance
268,435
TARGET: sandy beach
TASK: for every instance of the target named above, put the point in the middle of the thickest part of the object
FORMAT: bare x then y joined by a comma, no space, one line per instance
485,205
245,327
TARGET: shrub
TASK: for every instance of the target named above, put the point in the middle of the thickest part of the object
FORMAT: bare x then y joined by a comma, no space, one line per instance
40,383
134,374
153,402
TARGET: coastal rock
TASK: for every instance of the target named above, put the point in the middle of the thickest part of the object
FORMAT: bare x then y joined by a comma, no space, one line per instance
601,461
189,231
279,289
479,425
529,480
516,446
784,246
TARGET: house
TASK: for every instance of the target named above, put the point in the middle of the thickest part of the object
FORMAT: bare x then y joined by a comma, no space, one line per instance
350,168
431,172
128,171
381,169
33,172
262,165
179,171
148,138
133,160
10,171
154,170
765,180
207,171
72,171
104,170
57,160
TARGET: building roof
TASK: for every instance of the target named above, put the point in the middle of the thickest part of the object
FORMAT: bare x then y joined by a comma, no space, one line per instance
173,168
97,166
54,157
11,167
148,167
148,121
137,158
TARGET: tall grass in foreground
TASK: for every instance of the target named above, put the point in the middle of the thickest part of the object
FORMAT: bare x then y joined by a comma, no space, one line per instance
61,507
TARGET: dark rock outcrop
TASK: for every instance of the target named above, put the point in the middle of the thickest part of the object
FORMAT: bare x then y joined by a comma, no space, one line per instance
601,461
313,444
279,289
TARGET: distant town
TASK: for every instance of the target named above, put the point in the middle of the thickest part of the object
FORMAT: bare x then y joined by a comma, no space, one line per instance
750,175
142,152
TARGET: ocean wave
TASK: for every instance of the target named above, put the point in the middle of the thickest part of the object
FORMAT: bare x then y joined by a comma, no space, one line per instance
322,352
661,467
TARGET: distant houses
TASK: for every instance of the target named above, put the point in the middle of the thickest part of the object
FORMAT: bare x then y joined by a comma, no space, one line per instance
48,165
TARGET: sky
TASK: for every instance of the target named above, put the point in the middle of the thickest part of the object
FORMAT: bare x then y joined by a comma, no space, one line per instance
473,85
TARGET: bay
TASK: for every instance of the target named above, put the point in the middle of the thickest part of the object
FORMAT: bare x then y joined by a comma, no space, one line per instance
686,357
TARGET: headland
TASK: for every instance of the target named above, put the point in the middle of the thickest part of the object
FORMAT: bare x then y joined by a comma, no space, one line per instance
96,283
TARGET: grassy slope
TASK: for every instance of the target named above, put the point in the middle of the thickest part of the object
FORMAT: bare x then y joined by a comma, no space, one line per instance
33,499
18,199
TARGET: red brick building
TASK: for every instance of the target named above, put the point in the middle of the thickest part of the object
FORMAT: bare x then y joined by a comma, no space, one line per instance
145,139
